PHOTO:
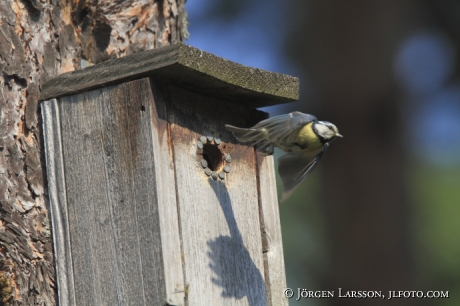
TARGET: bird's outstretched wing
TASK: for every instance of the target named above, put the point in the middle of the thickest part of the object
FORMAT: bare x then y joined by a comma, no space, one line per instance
295,167
280,127
273,130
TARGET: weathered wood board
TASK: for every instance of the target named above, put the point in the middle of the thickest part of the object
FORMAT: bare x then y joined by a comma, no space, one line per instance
58,201
114,160
272,242
136,221
219,219
187,67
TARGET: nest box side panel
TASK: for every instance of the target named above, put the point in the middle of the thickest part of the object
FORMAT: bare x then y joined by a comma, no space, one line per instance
112,197
219,218
272,242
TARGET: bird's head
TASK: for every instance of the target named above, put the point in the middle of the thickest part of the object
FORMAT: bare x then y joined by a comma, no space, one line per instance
326,130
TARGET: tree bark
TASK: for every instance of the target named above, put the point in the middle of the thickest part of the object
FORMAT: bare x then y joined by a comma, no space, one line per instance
40,39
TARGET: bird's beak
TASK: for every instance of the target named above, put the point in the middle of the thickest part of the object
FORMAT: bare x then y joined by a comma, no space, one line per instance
338,135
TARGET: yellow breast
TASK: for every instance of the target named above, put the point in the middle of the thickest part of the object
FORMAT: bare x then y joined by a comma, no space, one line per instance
307,137
304,139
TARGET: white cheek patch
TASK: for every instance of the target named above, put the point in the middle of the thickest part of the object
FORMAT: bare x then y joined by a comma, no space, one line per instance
324,131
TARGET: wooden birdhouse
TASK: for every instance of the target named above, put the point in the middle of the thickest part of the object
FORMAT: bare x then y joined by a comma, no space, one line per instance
152,201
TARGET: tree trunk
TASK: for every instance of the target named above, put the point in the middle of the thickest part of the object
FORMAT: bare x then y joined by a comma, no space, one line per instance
40,39
349,51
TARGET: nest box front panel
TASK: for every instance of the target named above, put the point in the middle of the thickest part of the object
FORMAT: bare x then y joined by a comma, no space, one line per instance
219,214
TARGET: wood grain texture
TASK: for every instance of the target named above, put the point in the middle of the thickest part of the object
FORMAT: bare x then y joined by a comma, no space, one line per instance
110,150
185,66
275,275
57,201
167,204
145,225
219,219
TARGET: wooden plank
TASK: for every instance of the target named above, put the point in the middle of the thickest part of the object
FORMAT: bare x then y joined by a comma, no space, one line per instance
111,150
188,67
57,201
89,215
219,219
128,151
166,199
275,275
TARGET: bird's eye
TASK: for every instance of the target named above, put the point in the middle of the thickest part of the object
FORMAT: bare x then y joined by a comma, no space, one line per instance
330,127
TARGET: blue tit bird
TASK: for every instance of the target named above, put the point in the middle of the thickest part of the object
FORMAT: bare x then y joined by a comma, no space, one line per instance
304,137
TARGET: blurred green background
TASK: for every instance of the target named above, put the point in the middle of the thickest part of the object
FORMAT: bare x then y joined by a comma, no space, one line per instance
382,209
